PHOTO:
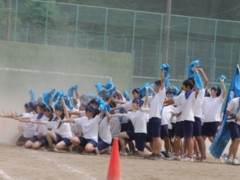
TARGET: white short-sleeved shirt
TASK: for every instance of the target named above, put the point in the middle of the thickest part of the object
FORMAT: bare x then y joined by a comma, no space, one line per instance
89,127
104,130
186,106
64,130
115,126
212,109
41,128
167,114
156,103
234,107
198,104
138,119
127,106
29,129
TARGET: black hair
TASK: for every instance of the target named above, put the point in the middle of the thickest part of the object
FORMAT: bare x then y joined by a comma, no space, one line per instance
158,82
41,105
217,89
188,83
192,81
207,94
60,108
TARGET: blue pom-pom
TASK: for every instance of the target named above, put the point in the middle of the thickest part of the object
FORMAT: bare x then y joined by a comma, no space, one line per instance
98,87
223,77
109,85
32,93
126,95
196,63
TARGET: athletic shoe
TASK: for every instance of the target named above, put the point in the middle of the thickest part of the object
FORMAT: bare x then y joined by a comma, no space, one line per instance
227,161
236,162
96,151
123,154
175,158
187,159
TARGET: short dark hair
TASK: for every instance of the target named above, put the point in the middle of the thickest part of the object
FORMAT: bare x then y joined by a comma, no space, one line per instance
158,82
217,89
188,83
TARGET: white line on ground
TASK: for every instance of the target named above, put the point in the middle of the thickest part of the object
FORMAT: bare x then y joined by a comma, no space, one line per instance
4,175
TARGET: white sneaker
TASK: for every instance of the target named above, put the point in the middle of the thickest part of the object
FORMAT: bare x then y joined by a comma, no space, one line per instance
227,161
187,159
236,162
175,158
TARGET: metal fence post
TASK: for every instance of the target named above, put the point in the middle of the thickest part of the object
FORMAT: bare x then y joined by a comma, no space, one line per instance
15,22
160,47
46,25
134,27
141,58
214,52
187,46
105,30
76,27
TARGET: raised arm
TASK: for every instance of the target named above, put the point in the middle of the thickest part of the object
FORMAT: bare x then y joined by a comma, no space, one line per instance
65,108
224,91
76,93
146,98
162,77
168,102
205,78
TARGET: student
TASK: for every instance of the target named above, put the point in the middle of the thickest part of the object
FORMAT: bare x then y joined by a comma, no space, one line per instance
61,134
212,111
138,118
233,124
38,140
185,126
104,134
198,113
154,124
28,128
89,125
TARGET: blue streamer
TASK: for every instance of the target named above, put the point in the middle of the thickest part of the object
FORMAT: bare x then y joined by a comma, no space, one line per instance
108,85
166,68
98,87
47,96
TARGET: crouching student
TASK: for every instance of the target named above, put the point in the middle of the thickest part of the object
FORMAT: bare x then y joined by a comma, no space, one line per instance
28,128
104,134
38,140
89,125
138,119
233,124
59,133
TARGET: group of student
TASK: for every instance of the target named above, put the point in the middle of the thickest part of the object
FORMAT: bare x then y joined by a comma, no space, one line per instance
157,115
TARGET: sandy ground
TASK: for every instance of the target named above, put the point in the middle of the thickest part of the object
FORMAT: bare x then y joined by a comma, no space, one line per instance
17,163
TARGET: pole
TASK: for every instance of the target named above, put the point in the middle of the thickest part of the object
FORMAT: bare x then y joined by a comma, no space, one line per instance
167,31
8,20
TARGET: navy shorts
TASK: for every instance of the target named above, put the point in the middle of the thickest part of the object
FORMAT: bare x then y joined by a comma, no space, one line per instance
234,130
101,144
140,141
154,127
179,129
130,134
164,131
84,142
197,127
127,126
209,129
188,129
23,139
42,140
67,141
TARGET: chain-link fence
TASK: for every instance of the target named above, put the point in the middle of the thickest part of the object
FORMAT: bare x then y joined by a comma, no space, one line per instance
215,42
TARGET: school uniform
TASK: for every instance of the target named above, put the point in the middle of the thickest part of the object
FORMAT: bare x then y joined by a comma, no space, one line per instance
212,114
233,126
126,125
28,128
138,119
185,126
156,103
104,134
167,112
90,130
41,129
198,113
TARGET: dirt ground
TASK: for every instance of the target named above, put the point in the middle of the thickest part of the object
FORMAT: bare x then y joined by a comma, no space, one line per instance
17,163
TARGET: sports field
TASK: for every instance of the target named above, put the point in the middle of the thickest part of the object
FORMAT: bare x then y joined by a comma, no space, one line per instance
22,164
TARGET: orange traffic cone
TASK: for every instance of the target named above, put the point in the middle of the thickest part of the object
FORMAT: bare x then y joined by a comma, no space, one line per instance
114,165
